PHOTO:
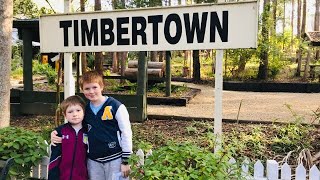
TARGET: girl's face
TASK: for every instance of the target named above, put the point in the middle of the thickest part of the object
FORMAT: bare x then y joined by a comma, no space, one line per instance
74,114
92,91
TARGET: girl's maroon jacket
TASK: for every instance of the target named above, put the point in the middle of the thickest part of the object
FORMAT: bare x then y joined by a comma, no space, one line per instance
68,160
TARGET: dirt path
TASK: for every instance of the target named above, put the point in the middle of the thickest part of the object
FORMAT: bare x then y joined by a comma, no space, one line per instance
255,106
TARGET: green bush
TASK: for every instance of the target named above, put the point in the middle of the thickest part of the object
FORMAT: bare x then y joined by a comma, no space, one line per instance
45,69
185,161
26,147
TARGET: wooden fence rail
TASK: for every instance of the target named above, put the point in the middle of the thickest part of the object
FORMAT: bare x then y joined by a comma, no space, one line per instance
272,170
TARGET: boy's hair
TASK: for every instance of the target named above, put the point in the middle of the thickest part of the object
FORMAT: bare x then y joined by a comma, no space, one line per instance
91,77
72,100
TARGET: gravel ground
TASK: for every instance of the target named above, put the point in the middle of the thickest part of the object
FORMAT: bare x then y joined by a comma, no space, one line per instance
255,106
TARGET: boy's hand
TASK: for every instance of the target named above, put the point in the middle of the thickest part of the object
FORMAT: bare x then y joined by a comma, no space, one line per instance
125,169
54,138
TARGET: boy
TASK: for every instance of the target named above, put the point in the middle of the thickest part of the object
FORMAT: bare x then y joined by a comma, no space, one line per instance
109,131
68,159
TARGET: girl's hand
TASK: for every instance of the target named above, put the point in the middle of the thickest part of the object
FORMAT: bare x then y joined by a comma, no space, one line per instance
55,138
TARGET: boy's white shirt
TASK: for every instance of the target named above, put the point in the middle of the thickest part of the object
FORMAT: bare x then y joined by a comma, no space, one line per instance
122,116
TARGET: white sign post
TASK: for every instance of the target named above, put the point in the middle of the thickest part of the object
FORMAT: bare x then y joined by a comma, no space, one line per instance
69,83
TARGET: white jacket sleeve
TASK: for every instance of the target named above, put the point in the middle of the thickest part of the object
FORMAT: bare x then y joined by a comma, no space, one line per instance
122,116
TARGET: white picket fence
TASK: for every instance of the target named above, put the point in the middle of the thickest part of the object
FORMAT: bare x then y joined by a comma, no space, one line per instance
272,172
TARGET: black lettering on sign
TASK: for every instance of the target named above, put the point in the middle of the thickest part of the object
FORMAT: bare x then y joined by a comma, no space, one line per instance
76,33
89,34
135,31
121,30
215,23
155,20
107,31
65,25
173,18
195,26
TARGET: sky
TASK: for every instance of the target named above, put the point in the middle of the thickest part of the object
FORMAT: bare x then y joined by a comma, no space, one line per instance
58,7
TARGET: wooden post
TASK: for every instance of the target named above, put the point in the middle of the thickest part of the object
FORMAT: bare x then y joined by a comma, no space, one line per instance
27,59
142,83
168,73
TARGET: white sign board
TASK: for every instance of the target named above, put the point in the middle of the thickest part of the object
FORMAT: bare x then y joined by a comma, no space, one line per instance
206,26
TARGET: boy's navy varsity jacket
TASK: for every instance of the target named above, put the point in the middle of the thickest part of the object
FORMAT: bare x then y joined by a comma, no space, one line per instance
68,159
109,132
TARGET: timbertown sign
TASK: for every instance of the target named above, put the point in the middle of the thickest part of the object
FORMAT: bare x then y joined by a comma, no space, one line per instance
206,26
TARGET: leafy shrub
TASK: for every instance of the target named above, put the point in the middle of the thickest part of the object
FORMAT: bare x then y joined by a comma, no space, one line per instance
184,161
26,147
291,137
45,69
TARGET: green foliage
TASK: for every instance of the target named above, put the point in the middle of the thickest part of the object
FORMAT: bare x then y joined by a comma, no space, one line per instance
44,69
255,142
28,9
291,137
16,61
185,161
26,147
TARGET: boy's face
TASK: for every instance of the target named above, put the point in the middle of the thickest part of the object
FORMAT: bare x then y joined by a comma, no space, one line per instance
74,114
92,91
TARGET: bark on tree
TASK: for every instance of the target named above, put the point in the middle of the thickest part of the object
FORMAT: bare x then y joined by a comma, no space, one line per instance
6,14
154,56
292,15
84,63
98,60
196,66
263,67
274,12
317,24
299,19
304,17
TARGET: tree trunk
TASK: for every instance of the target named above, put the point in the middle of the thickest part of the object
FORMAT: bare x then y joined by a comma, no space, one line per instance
299,19
292,15
196,66
304,17
154,56
317,24
274,12
263,67
98,60
6,11
115,62
123,65
283,24
84,63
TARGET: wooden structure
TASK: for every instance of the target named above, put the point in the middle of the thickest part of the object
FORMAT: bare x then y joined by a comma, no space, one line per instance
313,38
28,30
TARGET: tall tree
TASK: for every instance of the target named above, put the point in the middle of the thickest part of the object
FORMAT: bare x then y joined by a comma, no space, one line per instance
263,66
98,61
304,17
83,55
6,13
299,19
274,12
292,18
317,24
196,66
